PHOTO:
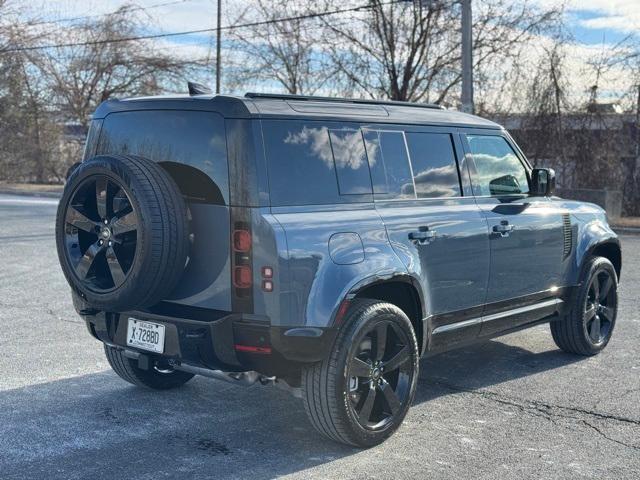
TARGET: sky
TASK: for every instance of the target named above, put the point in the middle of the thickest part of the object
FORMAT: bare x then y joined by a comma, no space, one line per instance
603,21
595,24
590,21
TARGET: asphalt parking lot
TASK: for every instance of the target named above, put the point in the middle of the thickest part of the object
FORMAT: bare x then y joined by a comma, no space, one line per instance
515,407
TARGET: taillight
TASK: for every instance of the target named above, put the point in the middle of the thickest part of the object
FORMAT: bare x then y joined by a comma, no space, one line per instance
241,261
242,276
242,241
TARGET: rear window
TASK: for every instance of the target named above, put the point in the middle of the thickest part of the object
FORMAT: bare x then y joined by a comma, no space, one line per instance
350,159
189,138
433,161
311,163
389,163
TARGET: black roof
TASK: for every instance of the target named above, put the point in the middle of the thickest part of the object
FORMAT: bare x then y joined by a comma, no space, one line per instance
257,105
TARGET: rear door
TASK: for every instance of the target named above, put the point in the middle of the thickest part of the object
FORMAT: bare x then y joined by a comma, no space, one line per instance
192,147
527,236
433,223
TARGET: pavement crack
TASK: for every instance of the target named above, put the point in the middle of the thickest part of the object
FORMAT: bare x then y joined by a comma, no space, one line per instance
604,435
536,405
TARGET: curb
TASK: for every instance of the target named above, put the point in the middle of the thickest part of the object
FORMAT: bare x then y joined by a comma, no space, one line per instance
627,230
24,193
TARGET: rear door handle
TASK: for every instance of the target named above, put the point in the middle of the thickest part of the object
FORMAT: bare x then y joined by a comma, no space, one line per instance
423,236
504,229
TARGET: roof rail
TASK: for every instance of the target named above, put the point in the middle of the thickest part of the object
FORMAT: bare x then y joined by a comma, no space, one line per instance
288,96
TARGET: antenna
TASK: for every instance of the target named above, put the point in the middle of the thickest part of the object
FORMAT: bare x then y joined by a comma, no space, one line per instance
198,89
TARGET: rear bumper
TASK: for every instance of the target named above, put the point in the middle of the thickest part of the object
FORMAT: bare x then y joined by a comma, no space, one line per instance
232,341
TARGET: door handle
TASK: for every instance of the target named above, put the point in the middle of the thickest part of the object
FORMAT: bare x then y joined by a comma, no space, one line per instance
423,236
504,229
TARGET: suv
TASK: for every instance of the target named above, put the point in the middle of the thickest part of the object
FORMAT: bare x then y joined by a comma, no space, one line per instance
322,245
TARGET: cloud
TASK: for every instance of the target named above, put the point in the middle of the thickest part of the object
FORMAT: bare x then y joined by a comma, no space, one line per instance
614,22
620,15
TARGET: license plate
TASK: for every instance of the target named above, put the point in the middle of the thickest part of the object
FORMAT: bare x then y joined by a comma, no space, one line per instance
145,335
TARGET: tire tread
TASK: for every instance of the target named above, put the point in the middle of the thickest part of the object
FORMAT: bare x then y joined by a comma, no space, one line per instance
319,379
568,332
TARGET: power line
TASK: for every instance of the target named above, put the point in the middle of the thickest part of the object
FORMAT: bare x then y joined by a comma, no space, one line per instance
125,9
307,16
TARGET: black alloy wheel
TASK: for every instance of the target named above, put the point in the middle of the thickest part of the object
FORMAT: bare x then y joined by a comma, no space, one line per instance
360,394
122,233
586,328
379,375
101,233
600,307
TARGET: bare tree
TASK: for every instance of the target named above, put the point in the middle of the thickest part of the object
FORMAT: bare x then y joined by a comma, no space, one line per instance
626,55
286,53
547,105
581,138
104,64
45,92
21,106
411,50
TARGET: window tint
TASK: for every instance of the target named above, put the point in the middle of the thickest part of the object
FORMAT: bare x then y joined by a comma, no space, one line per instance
300,163
389,164
351,162
498,169
433,161
185,137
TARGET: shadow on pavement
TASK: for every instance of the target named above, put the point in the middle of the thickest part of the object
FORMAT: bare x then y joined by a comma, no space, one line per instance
98,426
482,365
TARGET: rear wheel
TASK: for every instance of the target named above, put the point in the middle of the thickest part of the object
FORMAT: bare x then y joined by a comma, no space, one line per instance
156,377
362,392
587,328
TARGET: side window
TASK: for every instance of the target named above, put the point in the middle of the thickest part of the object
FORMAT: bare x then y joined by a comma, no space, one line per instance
389,164
309,164
498,169
433,161
351,162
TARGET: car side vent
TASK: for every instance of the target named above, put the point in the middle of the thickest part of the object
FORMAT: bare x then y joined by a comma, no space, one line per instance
568,235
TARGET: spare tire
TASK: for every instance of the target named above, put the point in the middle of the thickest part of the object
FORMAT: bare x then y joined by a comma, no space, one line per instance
121,232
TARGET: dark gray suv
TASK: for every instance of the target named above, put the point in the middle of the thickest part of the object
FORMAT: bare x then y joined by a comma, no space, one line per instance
322,245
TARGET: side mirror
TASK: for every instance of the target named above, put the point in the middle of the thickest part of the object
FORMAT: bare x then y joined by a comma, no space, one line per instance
543,182
505,185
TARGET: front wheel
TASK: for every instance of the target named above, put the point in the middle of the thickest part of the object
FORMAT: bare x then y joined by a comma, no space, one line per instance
362,392
588,326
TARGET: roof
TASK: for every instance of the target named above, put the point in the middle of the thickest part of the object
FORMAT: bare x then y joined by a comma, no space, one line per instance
254,105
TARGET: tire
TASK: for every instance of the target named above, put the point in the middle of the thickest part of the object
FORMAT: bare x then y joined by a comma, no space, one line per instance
337,390
155,379
587,328
122,232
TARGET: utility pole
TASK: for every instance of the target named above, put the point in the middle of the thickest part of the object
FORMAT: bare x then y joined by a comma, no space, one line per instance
467,58
638,129
218,35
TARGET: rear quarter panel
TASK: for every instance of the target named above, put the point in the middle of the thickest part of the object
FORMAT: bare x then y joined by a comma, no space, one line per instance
312,282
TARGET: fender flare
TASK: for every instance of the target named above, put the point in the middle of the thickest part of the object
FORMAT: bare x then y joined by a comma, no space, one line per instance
379,279
589,242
